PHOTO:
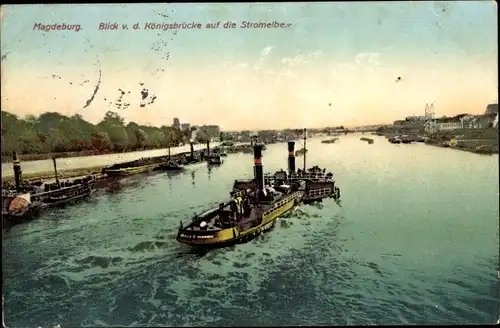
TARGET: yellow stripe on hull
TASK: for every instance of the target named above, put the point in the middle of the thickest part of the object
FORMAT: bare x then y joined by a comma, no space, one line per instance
233,235
132,170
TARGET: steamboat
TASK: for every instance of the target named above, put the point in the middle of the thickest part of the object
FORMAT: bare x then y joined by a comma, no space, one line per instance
317,184
27,200
249,213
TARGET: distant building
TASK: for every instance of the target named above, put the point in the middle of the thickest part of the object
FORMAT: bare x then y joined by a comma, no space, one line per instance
213,131
177,123
416,118
185,126
413,124
449,123
491,109
477,121
430,126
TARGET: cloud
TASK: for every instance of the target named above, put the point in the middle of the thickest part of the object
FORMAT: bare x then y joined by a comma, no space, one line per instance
266,51
263,56
371,58
302,59
299,59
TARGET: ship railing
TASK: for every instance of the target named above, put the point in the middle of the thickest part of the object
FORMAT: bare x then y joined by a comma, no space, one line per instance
323,192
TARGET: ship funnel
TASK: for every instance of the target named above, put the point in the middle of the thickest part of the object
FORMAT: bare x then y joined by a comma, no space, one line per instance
208,147
17,171
192,149
258,170
291,157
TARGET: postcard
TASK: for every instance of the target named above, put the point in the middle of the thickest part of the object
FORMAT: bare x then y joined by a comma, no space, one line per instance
250,164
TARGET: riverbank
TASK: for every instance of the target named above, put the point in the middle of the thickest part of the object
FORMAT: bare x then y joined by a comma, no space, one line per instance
96,169
37,157
61,174
478,141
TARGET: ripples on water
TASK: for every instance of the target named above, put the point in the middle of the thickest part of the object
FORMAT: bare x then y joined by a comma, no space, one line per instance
114,261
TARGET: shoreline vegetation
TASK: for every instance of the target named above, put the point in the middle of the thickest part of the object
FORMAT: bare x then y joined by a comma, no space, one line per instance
53,134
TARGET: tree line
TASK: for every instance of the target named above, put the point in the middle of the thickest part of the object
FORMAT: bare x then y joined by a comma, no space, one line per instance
53,132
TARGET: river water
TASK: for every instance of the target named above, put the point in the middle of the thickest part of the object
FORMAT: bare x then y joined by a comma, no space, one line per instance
46,165
414,240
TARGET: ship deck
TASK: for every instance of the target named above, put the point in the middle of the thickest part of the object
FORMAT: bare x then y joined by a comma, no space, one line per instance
214,221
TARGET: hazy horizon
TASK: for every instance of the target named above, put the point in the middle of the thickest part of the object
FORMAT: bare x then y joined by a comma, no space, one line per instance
338,64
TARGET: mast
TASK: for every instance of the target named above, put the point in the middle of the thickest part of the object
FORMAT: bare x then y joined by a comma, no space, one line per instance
55,172
305,149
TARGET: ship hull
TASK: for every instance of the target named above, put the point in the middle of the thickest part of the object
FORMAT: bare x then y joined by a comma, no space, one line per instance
130,170
10,220
232,236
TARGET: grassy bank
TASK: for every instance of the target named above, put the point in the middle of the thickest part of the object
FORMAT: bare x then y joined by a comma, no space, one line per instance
62,174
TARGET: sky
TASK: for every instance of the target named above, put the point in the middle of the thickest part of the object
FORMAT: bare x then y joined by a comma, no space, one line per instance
331,64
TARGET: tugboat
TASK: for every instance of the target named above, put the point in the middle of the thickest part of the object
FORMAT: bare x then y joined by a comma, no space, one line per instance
316,183
249,213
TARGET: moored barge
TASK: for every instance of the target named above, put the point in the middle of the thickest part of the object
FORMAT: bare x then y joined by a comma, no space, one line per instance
24,204
214,159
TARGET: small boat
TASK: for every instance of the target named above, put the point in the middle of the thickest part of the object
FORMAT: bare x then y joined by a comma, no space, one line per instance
394,140
214,159
330,141
227,143
245,216
370,141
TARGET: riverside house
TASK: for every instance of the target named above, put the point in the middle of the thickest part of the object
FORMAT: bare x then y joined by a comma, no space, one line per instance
487,120
450,123
476,121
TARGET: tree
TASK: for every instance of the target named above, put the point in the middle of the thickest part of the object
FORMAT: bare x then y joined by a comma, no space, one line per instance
101,141
53,132
114,125
201,136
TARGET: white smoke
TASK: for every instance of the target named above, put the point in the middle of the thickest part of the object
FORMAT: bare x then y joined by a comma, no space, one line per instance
194,133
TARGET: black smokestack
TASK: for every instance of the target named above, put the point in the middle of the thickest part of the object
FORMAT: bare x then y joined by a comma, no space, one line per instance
291,157
258,170
17,171
208,148
192,150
